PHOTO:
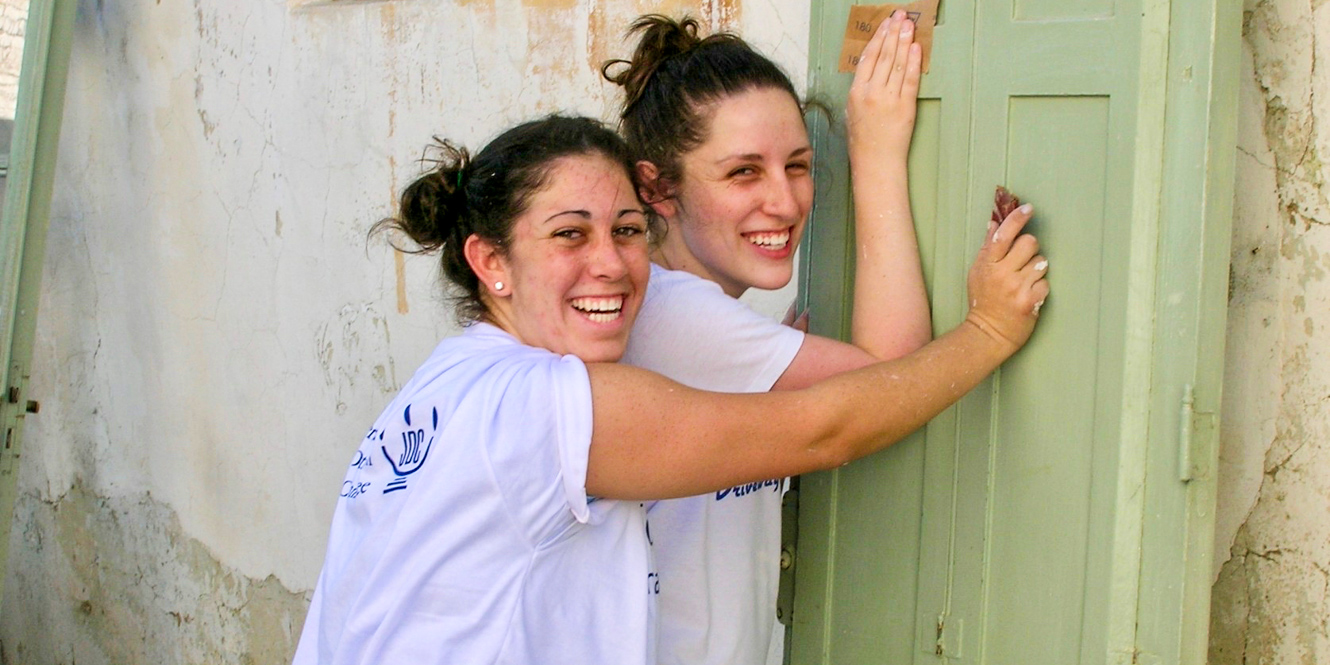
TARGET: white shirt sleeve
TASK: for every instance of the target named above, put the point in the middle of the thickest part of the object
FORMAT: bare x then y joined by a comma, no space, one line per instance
540,442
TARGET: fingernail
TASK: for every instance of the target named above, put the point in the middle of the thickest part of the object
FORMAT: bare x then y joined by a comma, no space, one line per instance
1027,209
907,29
1038,306
1041,265
995,237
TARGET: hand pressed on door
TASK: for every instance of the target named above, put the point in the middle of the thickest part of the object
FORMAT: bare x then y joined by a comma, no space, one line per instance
865,19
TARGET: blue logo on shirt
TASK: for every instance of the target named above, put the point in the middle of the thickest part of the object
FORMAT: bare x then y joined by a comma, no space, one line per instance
744,490
410,456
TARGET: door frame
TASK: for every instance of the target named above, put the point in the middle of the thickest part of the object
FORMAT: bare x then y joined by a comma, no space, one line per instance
1178,309
47,42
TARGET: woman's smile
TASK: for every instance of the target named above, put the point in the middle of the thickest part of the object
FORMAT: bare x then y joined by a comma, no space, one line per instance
744,196
575,270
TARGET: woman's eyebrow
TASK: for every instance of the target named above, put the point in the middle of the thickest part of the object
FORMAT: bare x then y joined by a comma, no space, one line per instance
746,157
756,156
586,214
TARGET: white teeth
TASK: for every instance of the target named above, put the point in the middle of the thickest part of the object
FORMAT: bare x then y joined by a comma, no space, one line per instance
770,239
600,309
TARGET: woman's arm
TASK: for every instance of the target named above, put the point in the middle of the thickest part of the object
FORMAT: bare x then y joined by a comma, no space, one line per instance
653,438
891,313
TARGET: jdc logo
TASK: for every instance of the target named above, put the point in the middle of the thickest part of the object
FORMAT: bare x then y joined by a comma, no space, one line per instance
416,443
411,441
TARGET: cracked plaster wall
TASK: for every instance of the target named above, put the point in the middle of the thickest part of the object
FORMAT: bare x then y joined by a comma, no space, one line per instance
1270,601
13,17
214,333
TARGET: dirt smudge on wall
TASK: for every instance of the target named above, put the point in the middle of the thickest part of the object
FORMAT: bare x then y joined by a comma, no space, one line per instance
116,556
550,4
349,350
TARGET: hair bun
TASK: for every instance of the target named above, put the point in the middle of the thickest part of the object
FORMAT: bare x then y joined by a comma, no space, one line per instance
661,38
430,207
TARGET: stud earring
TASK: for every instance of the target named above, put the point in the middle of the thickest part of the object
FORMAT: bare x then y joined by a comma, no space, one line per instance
498,286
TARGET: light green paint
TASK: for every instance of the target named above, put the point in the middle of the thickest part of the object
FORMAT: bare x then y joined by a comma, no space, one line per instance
1041,520
27,207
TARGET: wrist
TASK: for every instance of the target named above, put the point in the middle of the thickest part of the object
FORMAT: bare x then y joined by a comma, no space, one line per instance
882,155
992,341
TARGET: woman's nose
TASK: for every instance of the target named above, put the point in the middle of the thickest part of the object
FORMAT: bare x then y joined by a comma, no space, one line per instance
606,260
781,199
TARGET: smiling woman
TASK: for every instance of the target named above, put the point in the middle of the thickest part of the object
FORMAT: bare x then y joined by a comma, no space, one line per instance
738,215
582,240
493,513
724,159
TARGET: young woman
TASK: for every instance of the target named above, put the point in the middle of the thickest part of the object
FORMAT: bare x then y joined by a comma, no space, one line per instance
725,160
493,513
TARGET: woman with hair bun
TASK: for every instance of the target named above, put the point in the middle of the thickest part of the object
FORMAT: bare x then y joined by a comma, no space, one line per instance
723,157
494,513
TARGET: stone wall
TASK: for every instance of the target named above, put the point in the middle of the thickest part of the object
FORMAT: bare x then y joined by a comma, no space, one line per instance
1270,602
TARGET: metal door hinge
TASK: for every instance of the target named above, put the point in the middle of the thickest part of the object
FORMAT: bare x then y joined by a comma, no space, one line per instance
789,535
948,638
1194,428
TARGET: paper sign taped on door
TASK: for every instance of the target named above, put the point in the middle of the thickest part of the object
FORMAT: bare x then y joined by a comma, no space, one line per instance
864,20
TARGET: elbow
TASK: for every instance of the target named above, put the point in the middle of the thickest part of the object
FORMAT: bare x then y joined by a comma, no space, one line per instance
910,343
924,338
836,449
840,456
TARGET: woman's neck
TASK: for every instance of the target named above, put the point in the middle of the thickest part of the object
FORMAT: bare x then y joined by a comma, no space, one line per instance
673,256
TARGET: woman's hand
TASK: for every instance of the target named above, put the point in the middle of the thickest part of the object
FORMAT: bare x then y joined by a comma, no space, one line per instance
880,111
1007,281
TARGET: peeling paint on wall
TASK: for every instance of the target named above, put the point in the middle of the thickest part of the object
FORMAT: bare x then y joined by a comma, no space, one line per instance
355,346
1271,598
13,22
134,588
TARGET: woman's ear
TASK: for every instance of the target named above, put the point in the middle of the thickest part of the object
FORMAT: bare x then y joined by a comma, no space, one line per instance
654,190
487,262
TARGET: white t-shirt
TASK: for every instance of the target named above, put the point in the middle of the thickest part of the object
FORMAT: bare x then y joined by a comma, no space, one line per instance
464,534
718,554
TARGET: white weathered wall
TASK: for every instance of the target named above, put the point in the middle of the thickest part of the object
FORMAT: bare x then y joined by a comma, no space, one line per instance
215,334
13,17
1270,600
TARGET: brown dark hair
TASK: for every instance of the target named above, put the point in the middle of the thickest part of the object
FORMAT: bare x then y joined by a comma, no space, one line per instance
672,75
483,195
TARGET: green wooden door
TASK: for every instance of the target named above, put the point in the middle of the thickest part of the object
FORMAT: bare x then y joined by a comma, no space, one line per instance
1062,512
24,217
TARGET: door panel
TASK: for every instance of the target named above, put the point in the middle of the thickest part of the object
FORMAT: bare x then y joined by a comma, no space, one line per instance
834,617
1010,529
1042,464
1051,10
